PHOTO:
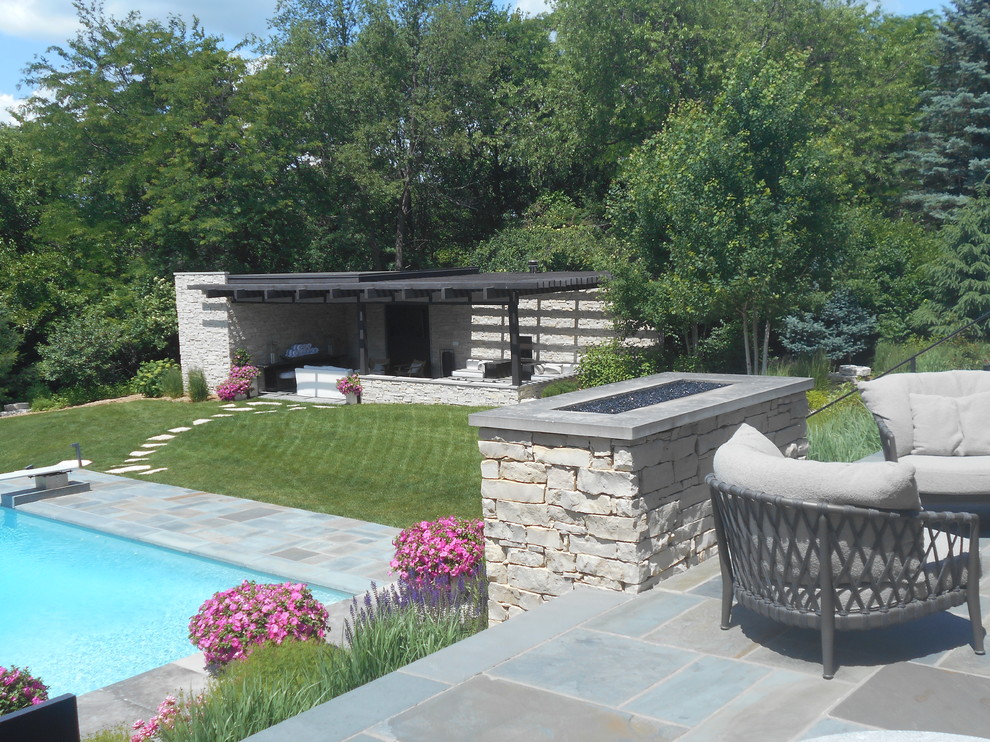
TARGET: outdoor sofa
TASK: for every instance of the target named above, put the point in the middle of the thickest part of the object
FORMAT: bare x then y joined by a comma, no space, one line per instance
835,546
939,423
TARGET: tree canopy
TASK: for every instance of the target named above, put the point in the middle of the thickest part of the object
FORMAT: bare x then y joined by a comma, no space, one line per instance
730,163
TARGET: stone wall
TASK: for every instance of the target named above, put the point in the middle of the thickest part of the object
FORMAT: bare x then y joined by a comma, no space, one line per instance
398,390
612,511
563,327
204,327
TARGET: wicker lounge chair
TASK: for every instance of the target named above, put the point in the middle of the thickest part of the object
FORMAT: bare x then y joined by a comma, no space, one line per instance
883,567
937,422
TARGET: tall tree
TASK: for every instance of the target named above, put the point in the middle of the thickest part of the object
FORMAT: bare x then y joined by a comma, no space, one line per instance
618,69
735,210
949,157
149,130
959,279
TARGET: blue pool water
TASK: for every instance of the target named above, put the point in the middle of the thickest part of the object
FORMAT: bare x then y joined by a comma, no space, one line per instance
85,609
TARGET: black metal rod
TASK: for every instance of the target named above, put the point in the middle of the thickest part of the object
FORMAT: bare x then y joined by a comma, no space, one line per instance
912,360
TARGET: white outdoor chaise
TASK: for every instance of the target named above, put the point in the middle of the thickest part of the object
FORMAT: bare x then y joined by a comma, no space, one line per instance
938,422
553,371
320,381
474,370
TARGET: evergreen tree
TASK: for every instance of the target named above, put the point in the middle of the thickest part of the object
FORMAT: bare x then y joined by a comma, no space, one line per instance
960,277
950,156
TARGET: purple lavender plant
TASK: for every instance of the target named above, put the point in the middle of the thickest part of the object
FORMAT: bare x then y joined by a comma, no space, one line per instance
466,598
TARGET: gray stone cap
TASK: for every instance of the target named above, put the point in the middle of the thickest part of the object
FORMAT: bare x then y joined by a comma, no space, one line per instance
545,415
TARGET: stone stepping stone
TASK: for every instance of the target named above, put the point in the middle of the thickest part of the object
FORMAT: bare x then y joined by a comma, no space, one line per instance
153,471
220,414
133,461
178,430
264,412
125,469
162,437
202,420
239,409
326,406
277,404
297,408
153,445
145,452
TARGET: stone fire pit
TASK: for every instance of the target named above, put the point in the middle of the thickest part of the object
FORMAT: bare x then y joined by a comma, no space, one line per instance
614,499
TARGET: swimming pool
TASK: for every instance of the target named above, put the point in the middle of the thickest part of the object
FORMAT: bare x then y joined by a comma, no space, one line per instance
85,609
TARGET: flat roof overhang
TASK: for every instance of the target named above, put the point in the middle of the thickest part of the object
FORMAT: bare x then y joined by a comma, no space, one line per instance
445,286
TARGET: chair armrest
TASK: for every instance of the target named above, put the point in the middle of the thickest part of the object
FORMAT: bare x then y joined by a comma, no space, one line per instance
887,441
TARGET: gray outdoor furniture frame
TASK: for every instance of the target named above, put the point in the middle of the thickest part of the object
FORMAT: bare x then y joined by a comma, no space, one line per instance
887,567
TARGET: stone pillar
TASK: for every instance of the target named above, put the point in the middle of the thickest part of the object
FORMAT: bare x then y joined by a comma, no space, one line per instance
612,501
204,327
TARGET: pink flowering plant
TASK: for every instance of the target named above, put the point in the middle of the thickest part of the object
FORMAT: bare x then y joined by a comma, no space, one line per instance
239,382
19,689
232,622
349,384
168,711
439,551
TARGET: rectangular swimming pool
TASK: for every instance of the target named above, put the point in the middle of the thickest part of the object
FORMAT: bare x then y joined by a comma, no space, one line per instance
85,609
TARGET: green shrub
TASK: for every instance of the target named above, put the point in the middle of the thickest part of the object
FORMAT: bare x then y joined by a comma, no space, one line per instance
50,402
148,379
612,362
841,329
560,387
171,381
845,432
116,734
276,682
77,395
955,354
198,389
815,365
85,350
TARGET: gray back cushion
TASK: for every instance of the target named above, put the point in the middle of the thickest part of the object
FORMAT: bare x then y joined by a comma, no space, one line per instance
888,398
751,460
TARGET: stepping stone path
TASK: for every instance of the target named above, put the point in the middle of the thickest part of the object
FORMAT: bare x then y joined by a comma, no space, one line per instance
136,464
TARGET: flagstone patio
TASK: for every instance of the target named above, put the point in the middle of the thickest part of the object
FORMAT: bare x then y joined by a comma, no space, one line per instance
597,665
592,665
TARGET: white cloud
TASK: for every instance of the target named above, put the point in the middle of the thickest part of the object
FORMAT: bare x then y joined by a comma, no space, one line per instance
54,21
532,7
48,20
7,102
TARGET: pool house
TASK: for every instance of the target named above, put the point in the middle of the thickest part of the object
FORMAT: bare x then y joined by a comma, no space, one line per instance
455,336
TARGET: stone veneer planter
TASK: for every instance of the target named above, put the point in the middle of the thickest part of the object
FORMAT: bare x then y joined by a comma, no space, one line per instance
614,501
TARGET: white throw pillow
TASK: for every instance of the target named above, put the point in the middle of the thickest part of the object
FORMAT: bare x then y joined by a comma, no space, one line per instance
951,426
751,460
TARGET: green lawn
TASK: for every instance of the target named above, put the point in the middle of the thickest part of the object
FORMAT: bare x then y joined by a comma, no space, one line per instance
391,464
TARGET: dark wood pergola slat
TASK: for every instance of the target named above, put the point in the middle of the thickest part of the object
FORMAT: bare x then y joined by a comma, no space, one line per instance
441,287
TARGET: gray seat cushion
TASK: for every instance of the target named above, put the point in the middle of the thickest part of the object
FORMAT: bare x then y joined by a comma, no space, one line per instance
951,475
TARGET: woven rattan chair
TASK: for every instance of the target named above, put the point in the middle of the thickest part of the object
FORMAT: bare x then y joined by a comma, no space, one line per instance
886,567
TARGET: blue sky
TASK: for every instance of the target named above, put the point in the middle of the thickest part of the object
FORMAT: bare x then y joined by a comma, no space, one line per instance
28,27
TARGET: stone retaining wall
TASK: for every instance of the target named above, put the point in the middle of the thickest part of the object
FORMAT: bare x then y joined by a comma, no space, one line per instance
587,505
398,390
